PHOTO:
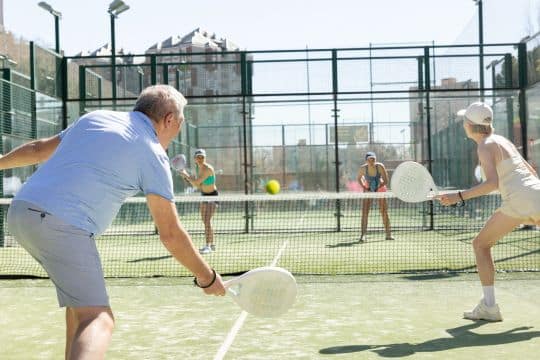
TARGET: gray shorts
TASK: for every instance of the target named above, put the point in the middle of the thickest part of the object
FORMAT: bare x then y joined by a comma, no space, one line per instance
68,254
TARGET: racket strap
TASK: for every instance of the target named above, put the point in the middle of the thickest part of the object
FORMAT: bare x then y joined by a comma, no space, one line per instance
196,283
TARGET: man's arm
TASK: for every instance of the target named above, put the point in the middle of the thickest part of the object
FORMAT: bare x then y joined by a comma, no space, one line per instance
31,153
178,242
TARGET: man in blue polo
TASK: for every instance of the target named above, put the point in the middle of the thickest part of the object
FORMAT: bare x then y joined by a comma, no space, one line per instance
88,170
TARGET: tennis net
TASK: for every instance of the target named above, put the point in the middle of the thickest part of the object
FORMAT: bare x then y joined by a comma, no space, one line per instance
312,233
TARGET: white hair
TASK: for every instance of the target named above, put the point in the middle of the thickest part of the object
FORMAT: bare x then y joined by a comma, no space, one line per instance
157,100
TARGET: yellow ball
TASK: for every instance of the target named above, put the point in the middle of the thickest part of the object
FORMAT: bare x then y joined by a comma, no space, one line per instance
272,187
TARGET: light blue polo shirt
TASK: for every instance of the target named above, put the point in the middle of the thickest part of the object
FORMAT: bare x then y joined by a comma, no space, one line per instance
103,158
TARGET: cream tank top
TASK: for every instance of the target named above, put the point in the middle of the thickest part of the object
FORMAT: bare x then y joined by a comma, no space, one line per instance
519,188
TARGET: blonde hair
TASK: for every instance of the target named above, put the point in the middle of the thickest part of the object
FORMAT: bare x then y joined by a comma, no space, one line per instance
157,100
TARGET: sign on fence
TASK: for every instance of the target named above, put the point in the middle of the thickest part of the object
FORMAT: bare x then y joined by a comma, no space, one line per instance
350,134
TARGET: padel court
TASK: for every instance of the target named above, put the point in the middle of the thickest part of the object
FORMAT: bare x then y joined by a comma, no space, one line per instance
345,317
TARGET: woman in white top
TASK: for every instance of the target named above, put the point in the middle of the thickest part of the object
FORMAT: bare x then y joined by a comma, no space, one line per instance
505,170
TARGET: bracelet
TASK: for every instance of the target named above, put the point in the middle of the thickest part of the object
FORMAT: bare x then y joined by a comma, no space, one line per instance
462,200
205,286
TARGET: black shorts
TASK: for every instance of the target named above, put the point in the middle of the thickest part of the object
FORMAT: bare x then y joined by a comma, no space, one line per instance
213,193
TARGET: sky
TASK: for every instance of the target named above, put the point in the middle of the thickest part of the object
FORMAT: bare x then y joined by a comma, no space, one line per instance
280,24
276,24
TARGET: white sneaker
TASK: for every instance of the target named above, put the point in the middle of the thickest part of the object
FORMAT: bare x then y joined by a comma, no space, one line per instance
484,312
205,250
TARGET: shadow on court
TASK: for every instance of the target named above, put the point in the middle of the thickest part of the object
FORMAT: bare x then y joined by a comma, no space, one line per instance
353,243
343,244
461,337
154,258
432,276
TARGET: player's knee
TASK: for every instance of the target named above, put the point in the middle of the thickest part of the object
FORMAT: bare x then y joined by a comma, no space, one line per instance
102,317
480,243
106,321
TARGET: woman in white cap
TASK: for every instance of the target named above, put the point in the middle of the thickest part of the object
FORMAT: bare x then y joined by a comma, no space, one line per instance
205,180
506,170
373,178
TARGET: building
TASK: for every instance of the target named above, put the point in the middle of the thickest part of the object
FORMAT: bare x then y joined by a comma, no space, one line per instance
1,15
98,73
207,70
214,71
444,106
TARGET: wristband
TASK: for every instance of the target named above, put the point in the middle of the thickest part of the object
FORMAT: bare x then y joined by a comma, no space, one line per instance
205,286
462,203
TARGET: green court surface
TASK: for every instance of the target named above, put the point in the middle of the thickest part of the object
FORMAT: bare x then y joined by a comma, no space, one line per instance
343,317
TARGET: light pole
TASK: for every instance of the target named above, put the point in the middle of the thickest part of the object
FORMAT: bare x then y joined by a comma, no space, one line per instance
57,16
115,8
481,44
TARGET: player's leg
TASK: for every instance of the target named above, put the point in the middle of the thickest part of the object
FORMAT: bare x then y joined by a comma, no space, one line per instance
497,226
366,205
89,320
70,258
71,328
207,211
210,209
383,208
93,327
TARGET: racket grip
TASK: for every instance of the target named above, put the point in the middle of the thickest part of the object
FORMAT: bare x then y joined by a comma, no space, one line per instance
229,286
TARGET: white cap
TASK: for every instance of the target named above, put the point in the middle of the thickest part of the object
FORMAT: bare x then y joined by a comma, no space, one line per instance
200,152
479,113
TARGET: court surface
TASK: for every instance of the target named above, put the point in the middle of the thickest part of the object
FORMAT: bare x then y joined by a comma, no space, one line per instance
360,317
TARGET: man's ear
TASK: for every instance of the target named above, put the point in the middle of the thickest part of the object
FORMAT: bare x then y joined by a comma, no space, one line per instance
169,117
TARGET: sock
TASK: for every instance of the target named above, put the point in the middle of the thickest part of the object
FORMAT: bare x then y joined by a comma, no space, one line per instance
489,295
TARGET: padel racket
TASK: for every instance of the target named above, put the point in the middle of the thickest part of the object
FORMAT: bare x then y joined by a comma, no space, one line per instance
265,292
411,182
179,162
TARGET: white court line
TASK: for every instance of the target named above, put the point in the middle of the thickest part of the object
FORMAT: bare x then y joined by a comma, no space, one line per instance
231,335
243,315
279,253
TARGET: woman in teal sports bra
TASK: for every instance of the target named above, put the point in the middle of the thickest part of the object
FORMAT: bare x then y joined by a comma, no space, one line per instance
373,178
205,181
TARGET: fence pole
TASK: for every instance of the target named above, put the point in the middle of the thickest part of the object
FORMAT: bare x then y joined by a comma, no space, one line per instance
522,65
335,110
427,87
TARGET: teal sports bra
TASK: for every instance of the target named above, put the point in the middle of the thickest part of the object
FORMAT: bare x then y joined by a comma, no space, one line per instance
211,180
373,181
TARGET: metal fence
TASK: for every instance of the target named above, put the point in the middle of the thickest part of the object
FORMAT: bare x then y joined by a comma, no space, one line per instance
304,117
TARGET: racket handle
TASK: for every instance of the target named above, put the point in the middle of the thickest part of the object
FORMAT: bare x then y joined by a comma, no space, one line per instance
229,286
